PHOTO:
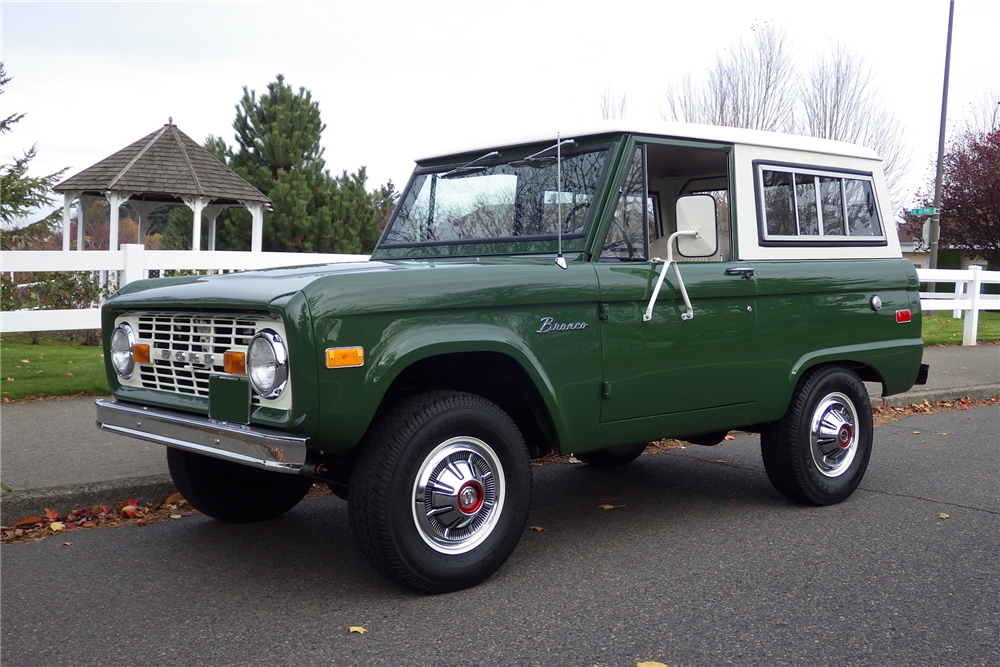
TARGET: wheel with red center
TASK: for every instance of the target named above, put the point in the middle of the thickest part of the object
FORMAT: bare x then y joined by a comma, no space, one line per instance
440,492
818,453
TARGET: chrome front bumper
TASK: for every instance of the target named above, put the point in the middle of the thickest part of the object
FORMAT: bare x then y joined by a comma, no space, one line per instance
249,445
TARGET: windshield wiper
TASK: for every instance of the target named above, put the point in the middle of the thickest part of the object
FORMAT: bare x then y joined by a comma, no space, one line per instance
471,167
535,160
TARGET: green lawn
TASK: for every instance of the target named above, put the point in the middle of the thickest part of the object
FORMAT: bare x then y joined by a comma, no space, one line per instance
62,368
942,329
52,368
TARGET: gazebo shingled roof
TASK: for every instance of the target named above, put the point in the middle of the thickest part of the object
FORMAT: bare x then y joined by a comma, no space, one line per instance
164,167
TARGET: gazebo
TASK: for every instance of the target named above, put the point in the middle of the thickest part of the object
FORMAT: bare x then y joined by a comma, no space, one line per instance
164,167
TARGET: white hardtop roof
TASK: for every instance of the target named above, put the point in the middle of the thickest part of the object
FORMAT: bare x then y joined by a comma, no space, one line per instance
713,133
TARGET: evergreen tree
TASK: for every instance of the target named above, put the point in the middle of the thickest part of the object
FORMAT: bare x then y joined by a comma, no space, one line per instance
278,151
19,192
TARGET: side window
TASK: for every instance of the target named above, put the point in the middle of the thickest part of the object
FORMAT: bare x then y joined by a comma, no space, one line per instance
626,237
802,205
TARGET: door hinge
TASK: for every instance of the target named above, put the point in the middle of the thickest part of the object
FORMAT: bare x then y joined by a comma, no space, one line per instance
603,311
605,389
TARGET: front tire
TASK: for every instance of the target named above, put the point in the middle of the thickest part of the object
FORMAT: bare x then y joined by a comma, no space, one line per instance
818,453
232,492
440,491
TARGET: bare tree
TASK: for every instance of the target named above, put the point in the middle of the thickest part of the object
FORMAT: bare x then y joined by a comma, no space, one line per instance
751,86
613,104
983,114
840,101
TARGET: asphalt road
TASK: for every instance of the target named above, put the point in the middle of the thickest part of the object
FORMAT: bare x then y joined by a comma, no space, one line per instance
700,563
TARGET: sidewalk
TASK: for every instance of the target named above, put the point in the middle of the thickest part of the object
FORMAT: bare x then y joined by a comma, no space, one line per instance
53,455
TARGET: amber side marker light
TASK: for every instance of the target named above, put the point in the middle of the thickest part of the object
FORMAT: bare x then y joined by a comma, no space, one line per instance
345,357
235,362
140,353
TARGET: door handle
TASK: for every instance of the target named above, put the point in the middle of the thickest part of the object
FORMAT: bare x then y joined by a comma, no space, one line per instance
745,271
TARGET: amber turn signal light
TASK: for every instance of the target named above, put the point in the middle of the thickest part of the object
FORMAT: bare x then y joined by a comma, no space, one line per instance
345,357
140,353
235,362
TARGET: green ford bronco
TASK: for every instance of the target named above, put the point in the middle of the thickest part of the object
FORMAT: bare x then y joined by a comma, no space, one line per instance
586,292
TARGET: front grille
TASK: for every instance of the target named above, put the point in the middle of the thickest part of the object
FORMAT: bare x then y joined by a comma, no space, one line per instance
187,348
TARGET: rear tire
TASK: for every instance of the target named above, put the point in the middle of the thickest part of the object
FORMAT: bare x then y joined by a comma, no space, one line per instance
440,491
613,457
233,492
818,453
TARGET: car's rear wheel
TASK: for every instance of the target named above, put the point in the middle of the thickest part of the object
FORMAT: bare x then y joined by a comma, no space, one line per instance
440,491
818,453
233,492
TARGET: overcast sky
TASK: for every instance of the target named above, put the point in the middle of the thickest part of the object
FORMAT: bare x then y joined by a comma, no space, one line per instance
399,80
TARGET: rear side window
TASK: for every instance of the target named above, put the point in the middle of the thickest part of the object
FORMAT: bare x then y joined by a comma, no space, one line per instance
805,206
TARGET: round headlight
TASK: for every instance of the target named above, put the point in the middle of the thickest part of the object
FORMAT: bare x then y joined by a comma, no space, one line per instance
267,363
122,341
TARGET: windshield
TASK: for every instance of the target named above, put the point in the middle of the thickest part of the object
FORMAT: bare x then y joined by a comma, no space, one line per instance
517,199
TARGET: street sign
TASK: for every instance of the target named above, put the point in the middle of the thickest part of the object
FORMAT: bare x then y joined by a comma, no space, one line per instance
923,210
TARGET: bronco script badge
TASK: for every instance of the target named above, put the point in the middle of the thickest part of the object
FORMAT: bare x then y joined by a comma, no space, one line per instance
548,324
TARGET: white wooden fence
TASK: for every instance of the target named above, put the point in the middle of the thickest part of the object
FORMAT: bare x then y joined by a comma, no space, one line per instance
967,296
133,262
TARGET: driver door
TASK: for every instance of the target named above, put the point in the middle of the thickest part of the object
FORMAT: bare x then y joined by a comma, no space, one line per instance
668,364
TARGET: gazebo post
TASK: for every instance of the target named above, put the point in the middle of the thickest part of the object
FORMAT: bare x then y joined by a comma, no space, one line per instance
68,198
196,204
257,230
115,200
212,212
81,206
142,209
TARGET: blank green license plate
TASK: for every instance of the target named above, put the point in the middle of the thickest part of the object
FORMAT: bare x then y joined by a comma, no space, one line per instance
229,399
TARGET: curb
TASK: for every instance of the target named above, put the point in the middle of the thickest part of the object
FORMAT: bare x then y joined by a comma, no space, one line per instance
932,395
15,505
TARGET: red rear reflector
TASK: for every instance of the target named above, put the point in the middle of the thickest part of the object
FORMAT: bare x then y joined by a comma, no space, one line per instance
903,316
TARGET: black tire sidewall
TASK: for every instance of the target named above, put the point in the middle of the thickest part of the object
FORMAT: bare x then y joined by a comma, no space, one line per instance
403,554
819,488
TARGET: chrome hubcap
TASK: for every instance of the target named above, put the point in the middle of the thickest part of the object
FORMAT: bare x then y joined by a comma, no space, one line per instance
458,495
833,435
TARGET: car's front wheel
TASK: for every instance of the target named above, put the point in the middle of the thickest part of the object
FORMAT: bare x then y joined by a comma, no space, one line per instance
440,492
818,453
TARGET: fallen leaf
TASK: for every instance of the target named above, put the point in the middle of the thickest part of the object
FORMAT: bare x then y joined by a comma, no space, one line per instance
69,374
28,521
7,400
56,526
25,361
67,544
89,524
176,516
608,507
130,510
173,498
650,664
730,437
10,379
942,434
537,529
916,433
357,629
51,515
942,515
